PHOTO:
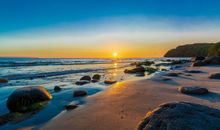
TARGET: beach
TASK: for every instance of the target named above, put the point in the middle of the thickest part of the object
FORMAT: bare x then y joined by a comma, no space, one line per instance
123,105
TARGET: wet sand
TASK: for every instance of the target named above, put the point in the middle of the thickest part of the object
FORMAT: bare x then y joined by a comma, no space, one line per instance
123,105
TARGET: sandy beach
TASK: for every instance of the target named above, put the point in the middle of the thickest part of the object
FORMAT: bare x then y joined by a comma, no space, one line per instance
123,106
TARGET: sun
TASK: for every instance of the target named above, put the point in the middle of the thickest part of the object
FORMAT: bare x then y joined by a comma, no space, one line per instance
115,54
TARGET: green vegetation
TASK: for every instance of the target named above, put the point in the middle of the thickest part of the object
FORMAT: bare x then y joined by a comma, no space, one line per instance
197,49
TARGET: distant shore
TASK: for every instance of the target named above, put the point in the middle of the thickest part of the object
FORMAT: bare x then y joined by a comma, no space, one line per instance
125,104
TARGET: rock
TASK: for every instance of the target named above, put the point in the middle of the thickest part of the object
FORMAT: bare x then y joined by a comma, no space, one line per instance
164,70
88,78
140,74
57,89
193,71
151,70
80,93
70,107
96,77
147,63
110,81
171,74
3,80
198,63
94,80
215,60
181,116
138,69
198,58
215,76
82,82
23,99
193,90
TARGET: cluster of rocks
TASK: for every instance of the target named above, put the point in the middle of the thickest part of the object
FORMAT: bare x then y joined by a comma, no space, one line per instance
87,79
145,63
140,70
202,61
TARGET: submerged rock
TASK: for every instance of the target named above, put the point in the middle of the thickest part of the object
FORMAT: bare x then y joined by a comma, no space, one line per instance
24,99
110,81
171,74
140,74
3,80
215,76
57,88
88,78
96,77
70,107
193,71
193,90
82,82
181,116
80,93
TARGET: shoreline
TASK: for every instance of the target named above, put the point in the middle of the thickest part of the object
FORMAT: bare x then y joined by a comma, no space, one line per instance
123,105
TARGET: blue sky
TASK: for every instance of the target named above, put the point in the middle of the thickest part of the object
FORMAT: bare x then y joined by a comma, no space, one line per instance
51,22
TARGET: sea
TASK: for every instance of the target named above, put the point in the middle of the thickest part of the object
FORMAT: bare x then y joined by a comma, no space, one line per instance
63,72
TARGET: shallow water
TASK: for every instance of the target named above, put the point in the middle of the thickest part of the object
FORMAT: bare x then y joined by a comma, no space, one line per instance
23,72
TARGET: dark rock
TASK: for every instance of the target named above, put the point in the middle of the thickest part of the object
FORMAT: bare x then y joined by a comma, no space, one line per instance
193,71
147,63
96,77
110,81
215,60
70,107
57,88
138,69
164,70
171,74
22,99
151,70
215,76
198,58
193,90
82,82
3,80
181,116
88,78
140,74
94,81
80,93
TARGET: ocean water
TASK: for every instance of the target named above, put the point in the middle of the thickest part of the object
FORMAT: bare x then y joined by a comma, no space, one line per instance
50,72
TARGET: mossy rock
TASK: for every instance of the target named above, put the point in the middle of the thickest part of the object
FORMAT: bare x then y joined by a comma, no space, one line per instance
27,99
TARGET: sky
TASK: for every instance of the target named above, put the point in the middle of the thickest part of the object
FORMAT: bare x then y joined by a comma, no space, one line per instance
98,28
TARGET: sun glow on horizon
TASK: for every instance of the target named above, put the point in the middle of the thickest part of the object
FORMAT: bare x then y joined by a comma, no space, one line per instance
115,54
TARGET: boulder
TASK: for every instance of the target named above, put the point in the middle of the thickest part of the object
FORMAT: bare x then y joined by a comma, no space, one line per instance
57,88
147,63
80,93
215,76
193,90
3,80
96,77
82,82
88,78
181,116
198,63
23,99
70,107
110,81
